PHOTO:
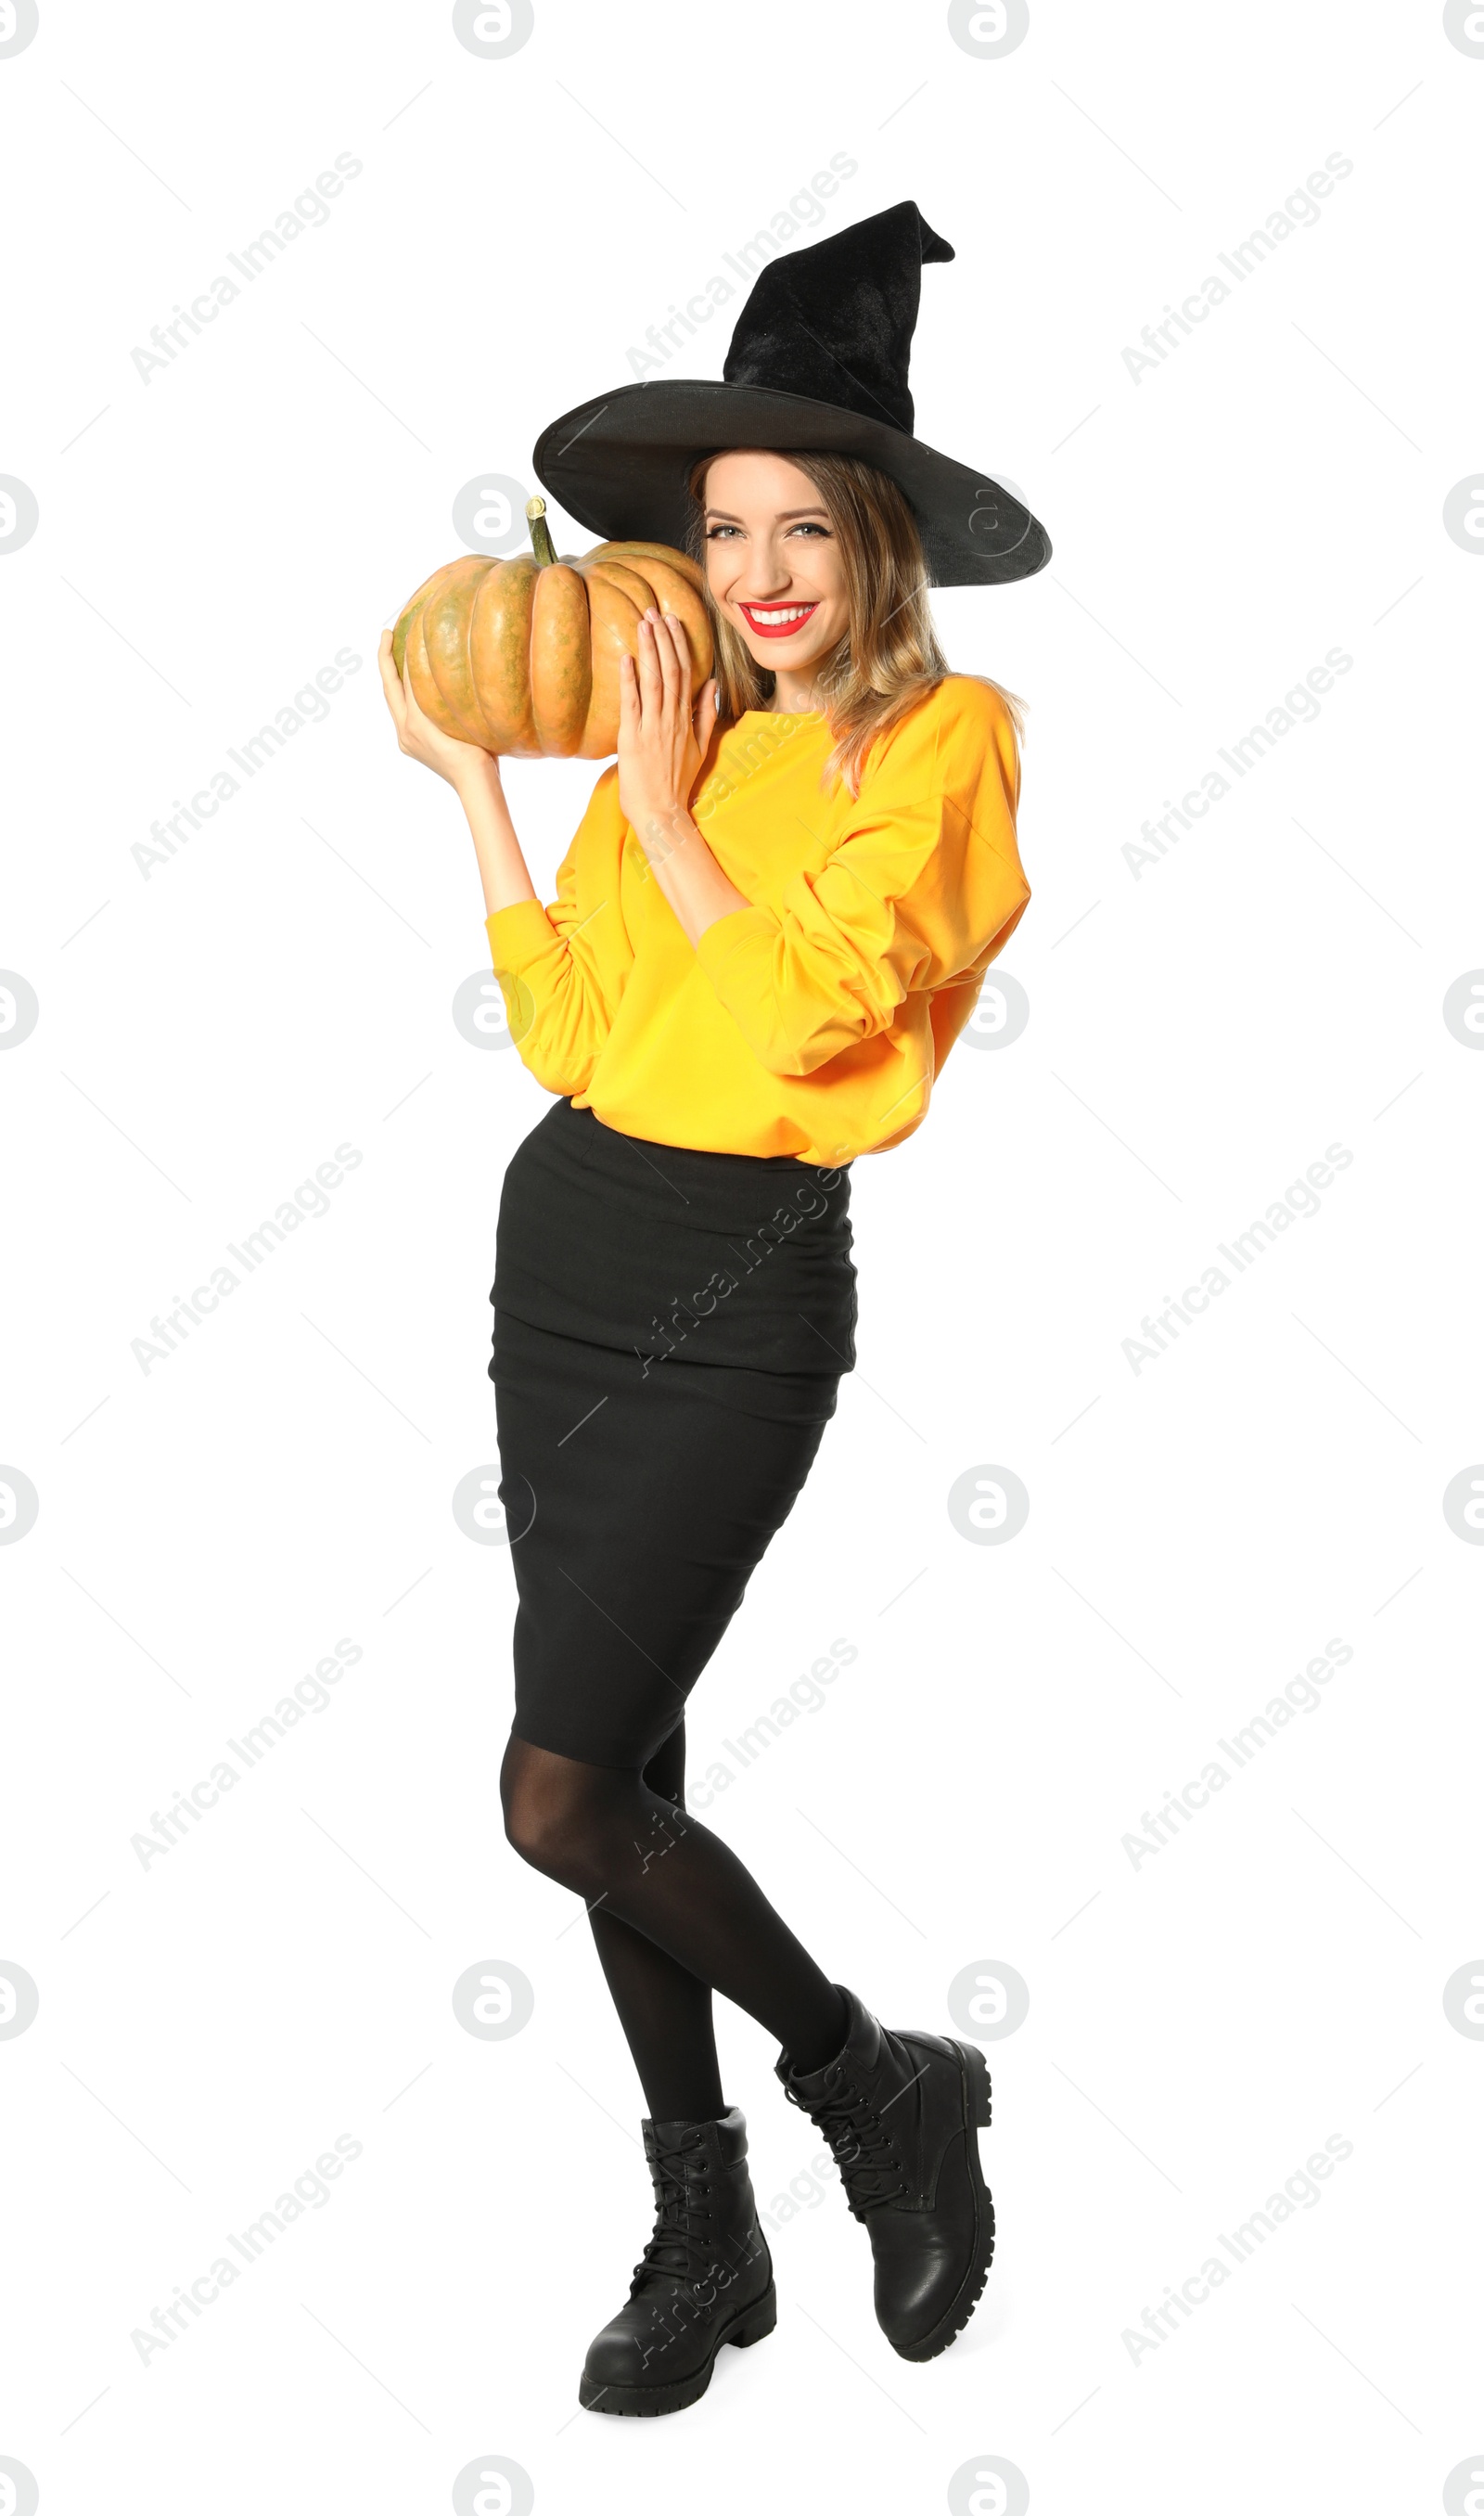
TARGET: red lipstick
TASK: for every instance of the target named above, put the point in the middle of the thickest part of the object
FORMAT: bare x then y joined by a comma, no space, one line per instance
776,628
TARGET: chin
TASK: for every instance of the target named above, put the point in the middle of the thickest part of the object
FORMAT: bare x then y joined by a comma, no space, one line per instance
783,655
773,660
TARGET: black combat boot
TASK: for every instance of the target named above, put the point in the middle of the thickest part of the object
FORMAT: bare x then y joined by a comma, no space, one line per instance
900,2112
706,2276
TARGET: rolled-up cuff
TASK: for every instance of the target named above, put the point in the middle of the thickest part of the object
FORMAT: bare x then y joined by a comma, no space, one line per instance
519,935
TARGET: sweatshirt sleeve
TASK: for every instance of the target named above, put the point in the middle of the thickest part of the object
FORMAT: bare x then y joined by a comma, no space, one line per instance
921,891
558,1005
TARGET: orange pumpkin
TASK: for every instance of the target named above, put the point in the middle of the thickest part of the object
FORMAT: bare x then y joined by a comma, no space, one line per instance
522,656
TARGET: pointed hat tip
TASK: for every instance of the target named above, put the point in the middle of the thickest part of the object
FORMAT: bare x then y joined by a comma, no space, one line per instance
934,248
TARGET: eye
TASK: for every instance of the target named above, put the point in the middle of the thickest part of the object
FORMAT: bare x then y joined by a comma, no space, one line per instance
822,530
714,533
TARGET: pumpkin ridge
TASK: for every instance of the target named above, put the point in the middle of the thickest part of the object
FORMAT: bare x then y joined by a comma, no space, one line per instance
447,652
476,695
500,643
561,663
413,605
627,580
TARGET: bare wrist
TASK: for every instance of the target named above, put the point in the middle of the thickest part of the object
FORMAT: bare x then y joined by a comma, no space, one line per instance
479,776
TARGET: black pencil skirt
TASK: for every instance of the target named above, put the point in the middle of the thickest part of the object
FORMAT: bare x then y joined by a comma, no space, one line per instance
671,1329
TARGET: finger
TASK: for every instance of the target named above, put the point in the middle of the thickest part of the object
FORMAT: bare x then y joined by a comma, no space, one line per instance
390,684
681,644
650,684
415,716
628,697
672,694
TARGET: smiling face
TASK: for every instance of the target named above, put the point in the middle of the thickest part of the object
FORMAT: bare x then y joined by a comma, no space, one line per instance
773,562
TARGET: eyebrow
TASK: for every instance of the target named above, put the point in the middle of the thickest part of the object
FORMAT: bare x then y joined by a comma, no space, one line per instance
785,515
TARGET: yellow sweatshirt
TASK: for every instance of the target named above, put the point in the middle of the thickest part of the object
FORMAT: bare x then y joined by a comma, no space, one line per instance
813,1022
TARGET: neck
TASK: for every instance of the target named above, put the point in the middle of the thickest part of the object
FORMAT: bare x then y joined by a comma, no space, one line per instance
797,694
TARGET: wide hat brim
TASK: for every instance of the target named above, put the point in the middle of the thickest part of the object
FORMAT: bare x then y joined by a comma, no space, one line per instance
618,464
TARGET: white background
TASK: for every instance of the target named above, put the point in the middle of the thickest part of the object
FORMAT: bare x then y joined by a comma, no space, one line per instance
1199,1033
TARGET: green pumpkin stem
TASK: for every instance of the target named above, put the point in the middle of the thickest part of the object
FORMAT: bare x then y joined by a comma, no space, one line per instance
541,533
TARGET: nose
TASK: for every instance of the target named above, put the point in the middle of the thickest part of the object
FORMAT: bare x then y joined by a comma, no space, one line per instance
765,576
763,585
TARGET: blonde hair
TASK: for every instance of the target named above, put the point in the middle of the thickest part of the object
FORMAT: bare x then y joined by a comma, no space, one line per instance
889,658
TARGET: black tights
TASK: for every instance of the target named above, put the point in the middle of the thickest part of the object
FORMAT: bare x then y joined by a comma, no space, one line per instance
674,1915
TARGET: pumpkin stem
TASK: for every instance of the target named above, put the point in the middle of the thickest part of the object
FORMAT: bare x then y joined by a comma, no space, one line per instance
541,533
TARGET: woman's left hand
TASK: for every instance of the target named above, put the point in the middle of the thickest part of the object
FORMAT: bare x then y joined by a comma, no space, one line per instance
662,738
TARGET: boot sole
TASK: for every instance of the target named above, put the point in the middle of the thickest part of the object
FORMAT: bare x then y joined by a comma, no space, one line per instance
646,2402
975,2075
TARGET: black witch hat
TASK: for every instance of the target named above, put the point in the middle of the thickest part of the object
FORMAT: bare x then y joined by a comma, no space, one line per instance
817,364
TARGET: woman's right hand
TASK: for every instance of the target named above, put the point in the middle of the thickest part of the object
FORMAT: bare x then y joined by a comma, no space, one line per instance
460,762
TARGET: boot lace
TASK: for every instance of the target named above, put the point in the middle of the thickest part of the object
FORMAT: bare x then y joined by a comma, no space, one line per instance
869,2161
680,2247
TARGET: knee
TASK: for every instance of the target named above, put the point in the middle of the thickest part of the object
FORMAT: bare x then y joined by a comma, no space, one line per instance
540,1830
546,1820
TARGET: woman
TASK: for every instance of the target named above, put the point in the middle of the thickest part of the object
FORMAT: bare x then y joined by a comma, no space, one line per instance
768,932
